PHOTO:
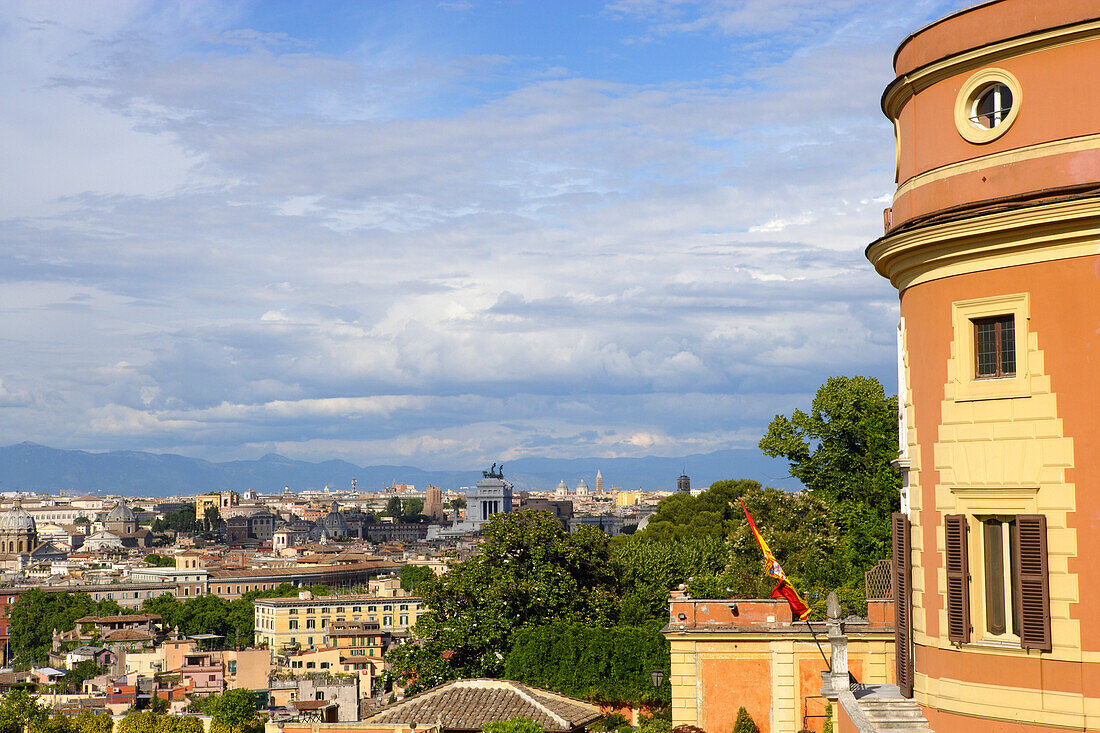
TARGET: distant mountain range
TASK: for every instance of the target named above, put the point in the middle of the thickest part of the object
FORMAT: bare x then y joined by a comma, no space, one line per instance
32,467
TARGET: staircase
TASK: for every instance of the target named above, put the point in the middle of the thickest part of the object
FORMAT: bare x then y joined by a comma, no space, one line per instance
886,710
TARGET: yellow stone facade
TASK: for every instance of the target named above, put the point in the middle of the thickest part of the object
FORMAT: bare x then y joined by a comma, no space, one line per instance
286,622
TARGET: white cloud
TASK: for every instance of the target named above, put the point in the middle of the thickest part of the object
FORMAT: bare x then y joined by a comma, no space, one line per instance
224,241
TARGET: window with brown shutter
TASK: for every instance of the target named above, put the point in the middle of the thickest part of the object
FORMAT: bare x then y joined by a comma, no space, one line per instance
1031,581
958,578
903,638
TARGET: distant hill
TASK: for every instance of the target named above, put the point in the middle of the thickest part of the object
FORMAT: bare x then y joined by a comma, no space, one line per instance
32,467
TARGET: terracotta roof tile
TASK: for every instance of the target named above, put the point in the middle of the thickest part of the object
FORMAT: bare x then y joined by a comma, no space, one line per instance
471,704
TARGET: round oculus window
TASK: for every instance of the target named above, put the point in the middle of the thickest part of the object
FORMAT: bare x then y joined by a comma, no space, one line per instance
991,106
987,105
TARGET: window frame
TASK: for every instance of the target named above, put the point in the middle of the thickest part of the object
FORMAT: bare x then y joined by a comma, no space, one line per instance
968,386
971,92
1005,582
1033,579
999,350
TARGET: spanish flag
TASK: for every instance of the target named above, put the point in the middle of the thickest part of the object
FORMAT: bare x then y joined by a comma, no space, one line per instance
783,588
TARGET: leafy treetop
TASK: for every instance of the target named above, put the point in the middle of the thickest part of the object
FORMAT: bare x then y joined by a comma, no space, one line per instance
842,451
513,725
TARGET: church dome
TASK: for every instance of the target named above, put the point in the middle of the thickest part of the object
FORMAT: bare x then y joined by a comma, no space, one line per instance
334,520
17,519
121,513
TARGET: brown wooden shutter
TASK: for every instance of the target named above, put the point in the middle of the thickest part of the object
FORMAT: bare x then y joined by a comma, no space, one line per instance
903,591
958,578
1030,574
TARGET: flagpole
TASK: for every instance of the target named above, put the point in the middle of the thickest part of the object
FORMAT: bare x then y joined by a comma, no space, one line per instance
816,641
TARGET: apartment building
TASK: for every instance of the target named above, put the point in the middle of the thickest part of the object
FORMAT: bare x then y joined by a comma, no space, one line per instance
305,621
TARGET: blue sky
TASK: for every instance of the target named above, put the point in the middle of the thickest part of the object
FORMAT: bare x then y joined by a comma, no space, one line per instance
441,233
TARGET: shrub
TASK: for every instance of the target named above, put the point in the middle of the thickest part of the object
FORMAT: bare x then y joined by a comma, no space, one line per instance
513,725
744,722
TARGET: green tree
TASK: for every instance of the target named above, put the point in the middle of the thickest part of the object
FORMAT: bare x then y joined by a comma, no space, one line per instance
457,503
393,507
75,677
160,561
21,710
513,725
212,519
56,724
181,520
413,575
412,507
744,722
89,722
140,722
603,665
179,724
36,614
714,513
234,711
656,724
841,450
648,569
529,571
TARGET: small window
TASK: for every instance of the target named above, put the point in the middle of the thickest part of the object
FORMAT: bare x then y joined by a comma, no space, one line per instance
1001,608
987,104
995,347
991,106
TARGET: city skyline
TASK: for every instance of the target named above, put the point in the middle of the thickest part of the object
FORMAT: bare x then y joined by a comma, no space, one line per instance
439,233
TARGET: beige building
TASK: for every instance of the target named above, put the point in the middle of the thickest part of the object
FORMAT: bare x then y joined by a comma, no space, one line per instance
628,498
304,621
732,653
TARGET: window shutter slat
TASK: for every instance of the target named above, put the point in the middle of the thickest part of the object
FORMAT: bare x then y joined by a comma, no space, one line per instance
958,578
1032,583
903,636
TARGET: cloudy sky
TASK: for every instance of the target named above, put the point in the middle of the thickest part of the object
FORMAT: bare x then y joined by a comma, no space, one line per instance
440,233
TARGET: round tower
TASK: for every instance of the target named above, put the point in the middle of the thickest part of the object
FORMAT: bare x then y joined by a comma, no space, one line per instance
991,241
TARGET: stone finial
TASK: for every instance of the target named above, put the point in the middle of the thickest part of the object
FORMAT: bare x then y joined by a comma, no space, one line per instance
832,606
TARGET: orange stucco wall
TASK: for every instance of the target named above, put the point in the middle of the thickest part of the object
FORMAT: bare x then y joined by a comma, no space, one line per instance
1060,102
986,23
941,721
727,684
810,702
929,138
1065,314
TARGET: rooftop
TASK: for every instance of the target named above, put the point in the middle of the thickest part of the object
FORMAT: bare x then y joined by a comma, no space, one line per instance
471,704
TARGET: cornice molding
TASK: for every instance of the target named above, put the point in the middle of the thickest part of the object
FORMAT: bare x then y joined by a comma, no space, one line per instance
1023,154
1022,236
905,86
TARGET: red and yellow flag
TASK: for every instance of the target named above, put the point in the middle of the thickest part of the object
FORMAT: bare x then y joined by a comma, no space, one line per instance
782,589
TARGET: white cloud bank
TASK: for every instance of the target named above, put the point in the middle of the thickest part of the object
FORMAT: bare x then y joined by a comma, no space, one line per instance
224,241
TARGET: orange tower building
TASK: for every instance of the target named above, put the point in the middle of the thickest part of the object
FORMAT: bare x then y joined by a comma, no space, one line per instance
993,242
